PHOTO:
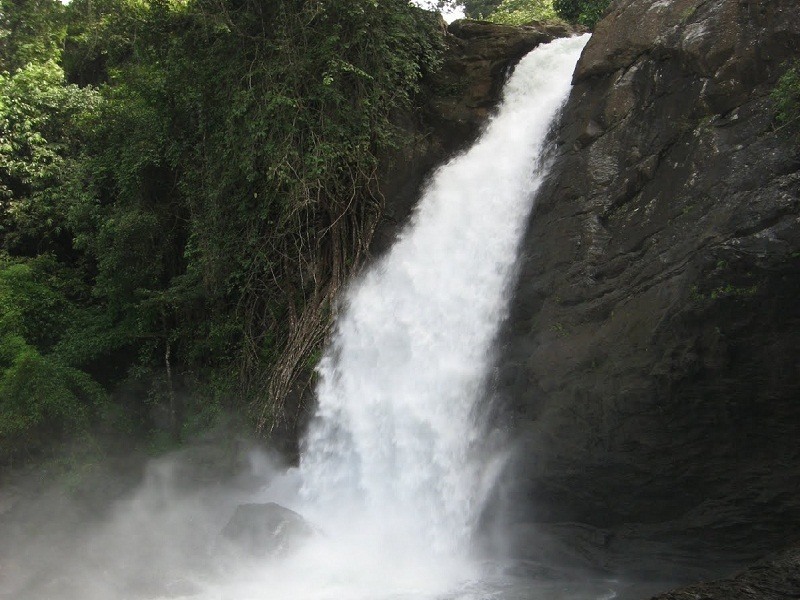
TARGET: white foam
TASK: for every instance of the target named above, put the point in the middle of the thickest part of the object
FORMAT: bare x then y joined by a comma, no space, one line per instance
392,465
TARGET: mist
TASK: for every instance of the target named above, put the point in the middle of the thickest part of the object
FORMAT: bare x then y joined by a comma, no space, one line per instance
164,538
133,528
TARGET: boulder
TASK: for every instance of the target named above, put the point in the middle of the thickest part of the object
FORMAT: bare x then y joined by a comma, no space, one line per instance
266,530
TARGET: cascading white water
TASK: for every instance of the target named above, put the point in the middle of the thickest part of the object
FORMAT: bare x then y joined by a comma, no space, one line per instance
393,453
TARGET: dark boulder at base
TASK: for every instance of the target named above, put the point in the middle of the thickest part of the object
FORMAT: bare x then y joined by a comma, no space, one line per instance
650,366
266,530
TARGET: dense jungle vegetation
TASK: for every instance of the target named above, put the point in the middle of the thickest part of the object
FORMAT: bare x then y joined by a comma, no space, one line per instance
519,12
184,186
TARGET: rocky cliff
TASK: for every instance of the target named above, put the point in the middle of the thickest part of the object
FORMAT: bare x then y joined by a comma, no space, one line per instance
650,364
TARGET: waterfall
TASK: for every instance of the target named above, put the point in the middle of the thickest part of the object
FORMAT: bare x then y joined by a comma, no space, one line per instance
392,459
394,472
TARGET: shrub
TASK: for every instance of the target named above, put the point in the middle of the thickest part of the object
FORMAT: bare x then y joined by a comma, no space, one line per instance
585,12
519,12
41,396
786,96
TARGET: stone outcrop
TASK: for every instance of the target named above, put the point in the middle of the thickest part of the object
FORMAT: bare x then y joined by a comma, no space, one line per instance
266,530
478,60
650,364
775,578
454,104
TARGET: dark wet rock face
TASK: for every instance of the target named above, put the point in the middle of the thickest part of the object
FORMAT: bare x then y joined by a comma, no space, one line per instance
651,362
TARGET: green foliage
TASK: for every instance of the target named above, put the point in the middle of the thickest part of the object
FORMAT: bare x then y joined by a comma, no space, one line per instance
40,120
569,10
191,203
585,12
786,96
480,9
104,34
30,31
41,395
520,12
726,291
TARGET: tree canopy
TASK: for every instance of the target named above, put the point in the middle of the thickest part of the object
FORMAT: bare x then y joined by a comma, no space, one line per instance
517,12
184,185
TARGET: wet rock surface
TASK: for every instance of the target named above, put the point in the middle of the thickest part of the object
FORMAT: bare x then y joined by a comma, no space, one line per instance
774,578
650,365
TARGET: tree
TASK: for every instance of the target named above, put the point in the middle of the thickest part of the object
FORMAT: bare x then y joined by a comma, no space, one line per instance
43,394
585,12
233,177
519,12
30,31
480,9
203,173
39,140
